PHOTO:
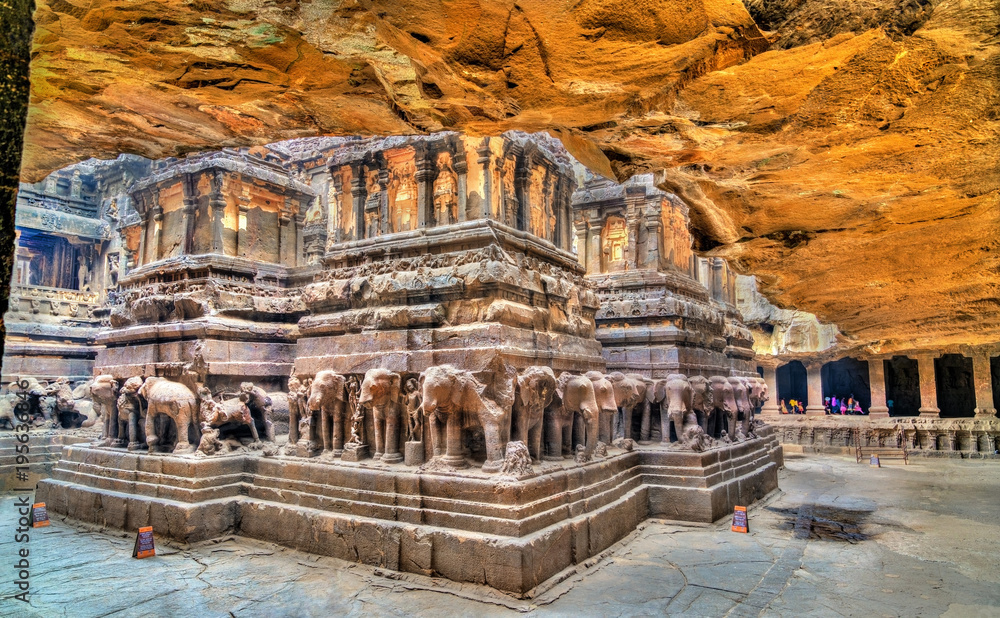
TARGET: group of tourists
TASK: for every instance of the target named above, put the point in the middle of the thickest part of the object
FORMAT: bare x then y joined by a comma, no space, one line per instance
848,405
832,405
792,407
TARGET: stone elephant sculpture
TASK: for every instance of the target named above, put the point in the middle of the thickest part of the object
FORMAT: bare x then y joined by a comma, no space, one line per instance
630,391
724,401
456,399
738,429
176,401
604,394
380,391
104,395
702,401
328,400
130,413
676,406
574,395
533,393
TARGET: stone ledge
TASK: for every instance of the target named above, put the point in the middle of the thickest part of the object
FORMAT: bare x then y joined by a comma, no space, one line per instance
468,527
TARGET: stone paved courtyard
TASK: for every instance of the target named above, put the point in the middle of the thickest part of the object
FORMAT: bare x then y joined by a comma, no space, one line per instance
839,538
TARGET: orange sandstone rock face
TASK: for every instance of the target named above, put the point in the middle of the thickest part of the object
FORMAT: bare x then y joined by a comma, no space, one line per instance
852,167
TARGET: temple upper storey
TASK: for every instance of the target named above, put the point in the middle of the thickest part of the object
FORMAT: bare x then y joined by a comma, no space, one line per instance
366,189
635,226
224,203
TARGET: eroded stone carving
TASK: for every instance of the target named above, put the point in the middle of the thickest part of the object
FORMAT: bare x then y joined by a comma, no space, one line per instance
453,399
380,392
174,400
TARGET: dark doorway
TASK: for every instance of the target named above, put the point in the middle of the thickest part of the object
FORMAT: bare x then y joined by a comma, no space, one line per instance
956,393
760,371
792,383
995,378
847,377
902,386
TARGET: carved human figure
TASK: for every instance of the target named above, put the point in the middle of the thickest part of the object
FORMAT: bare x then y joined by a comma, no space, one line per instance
298,407
173,399
104,394
259,403
353,389
82,273
574,396
510,203
445,192
535,388
380,392
130,412
414,411
455,398
327,399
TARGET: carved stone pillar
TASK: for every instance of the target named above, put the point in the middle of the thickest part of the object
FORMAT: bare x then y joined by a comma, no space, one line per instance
653,224
144,225
383,200
928,386
242,235
983,383
299,253
484,160
770,407
634,198
359,192
716,278
217,206
190,189
594,246
581,242
876,378
461,166
424,176
522,177
154,247
814,384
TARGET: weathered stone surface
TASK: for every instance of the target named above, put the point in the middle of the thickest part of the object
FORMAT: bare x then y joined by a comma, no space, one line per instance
840,538
471,527
866,154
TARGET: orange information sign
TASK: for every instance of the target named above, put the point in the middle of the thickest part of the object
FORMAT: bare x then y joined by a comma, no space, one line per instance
39,515
740,523
144,543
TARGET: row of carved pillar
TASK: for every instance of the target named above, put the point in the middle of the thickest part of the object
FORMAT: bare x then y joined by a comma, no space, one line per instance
876,375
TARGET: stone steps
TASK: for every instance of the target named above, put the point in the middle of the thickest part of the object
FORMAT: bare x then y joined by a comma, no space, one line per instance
466,525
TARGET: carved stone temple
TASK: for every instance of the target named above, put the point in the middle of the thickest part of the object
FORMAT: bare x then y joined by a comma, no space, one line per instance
428,354
662,309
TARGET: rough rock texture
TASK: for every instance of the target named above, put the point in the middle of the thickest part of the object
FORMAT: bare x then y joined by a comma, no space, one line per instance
852,168
782,332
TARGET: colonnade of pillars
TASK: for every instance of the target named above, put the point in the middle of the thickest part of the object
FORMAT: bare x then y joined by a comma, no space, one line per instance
983,386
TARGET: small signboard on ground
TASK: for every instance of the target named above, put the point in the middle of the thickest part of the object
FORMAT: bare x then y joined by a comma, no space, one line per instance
39,515
144,543
740,523
875,463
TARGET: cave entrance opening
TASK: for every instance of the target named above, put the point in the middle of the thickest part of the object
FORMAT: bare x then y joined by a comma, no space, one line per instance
956,394
902,386
792,383
847,378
